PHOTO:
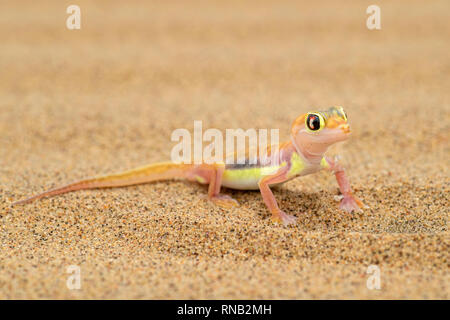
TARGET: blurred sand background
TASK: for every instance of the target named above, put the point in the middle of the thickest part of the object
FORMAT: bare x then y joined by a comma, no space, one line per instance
107,97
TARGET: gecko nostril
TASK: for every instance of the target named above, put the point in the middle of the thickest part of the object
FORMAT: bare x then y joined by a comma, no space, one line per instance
345,128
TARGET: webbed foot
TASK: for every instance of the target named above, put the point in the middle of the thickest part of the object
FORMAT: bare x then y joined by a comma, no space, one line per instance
282,217
351,204
224,201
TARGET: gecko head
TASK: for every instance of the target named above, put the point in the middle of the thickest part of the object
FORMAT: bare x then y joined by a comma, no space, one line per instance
317,130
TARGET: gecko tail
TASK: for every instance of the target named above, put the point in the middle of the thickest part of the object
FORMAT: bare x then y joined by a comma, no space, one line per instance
145,174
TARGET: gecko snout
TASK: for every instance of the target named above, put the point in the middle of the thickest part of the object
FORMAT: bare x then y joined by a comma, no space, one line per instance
345,128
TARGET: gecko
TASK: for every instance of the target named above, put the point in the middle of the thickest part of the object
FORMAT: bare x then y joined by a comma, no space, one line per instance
311,135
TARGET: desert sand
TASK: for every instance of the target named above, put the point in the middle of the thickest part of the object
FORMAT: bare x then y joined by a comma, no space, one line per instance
77,103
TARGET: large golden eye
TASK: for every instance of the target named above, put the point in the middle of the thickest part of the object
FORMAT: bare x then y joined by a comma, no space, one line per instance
314,122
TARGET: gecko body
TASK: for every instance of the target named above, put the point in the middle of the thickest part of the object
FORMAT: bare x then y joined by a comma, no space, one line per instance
311,135
247,177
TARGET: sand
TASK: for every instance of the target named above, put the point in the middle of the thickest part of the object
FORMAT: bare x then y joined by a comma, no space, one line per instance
105,98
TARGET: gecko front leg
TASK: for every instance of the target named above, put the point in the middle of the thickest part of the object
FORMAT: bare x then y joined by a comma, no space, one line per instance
349,202
269,199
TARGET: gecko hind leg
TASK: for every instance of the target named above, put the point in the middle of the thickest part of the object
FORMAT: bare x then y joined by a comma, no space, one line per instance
212,174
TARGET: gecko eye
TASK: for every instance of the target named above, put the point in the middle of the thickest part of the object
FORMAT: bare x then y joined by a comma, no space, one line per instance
314,122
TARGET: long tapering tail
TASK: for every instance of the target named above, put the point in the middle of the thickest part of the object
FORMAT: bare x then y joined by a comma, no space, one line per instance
149,173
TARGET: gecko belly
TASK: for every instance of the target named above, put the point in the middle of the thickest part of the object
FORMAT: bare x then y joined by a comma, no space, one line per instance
245,178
